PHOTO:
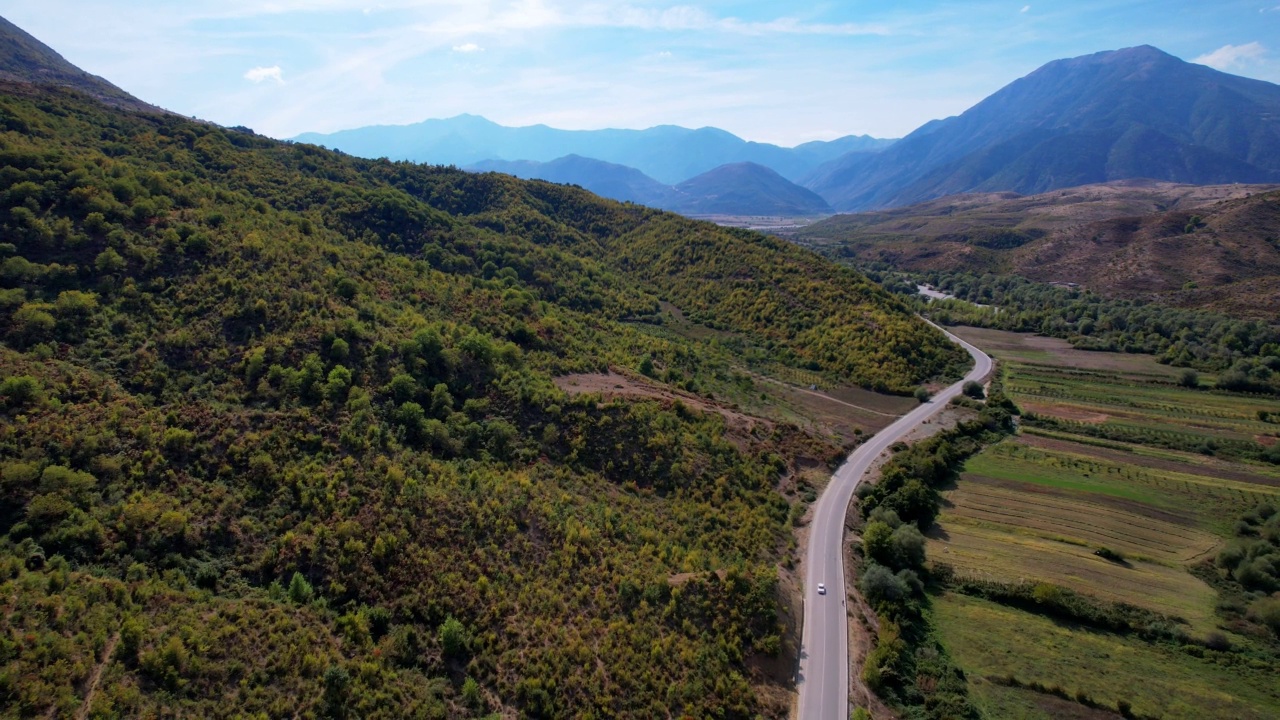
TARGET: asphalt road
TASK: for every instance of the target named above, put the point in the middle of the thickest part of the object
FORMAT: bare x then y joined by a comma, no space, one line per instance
823,679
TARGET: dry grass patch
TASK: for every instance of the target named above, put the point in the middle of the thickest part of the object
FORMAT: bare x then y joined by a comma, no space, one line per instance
997,552
1092,521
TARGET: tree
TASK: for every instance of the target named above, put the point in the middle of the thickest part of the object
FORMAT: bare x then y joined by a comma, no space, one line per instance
908,547
880,585
974,390
453,637
877,542
1189,378
337,688
300,591
922,394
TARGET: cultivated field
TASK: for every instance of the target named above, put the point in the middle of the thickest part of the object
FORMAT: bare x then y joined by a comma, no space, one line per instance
1024,349
991,641
1113,453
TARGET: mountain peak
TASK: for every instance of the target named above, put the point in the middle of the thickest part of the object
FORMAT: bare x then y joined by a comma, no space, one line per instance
1134,112
748,188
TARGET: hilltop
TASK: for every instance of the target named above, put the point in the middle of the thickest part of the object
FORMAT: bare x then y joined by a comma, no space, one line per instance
746,189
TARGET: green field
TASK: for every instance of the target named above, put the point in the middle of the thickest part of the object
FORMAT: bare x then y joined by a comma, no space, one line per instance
1157,680
1113,453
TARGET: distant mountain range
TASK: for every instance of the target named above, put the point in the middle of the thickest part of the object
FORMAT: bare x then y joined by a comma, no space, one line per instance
668,153
733,189
1133,113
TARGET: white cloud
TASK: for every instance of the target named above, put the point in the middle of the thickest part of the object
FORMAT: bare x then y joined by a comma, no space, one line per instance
468,48
263,74
1229,56
1025,9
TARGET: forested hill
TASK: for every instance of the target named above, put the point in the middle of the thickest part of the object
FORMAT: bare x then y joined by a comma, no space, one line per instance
279,433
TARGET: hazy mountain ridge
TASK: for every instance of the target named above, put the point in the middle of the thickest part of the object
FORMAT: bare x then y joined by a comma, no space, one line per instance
733,189
1130,113
608,180
667,153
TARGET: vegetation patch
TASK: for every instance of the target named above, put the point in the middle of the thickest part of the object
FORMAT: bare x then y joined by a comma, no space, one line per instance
1154,680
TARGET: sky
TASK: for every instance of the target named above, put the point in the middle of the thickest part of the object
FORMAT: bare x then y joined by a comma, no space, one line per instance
780,72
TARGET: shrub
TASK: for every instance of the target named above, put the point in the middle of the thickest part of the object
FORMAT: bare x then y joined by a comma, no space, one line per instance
19,391
922,394
1107,553
471,693
1267,612
974,390
1217,641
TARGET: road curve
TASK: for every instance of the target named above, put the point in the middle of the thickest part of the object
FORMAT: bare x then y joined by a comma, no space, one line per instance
823,679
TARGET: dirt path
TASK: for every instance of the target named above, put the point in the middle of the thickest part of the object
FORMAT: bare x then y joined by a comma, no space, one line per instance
826,397
95,677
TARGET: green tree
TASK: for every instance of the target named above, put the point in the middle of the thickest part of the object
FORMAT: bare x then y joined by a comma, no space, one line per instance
300,591
453,637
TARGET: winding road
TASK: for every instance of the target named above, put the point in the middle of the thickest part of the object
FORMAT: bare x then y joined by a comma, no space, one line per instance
823,679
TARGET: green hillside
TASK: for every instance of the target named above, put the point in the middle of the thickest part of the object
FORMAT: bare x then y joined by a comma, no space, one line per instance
280,435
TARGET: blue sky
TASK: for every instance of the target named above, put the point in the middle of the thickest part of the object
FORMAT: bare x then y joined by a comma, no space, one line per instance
769,71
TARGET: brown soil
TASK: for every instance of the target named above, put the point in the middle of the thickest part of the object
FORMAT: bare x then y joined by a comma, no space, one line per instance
1209,468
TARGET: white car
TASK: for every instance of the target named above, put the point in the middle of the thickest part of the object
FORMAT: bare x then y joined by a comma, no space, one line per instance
822,589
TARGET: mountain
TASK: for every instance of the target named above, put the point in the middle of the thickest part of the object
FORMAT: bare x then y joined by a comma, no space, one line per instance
285,432
1212,247
1133,113
736,189
25,59
747,189
667,153
609,180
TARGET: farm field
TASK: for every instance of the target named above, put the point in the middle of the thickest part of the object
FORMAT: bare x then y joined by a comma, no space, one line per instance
1037,349
1157,680
1022,512
1120,483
